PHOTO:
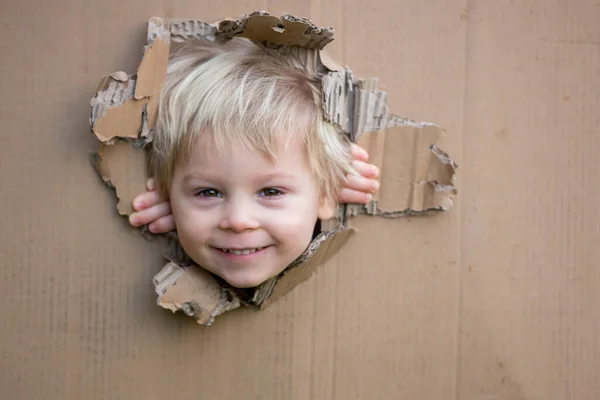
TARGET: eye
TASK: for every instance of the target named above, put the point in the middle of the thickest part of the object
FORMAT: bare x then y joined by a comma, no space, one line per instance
208,193
270,192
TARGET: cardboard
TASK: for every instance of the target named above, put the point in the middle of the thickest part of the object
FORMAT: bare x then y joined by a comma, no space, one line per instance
416,177
204,297
495,299
115,113
122,167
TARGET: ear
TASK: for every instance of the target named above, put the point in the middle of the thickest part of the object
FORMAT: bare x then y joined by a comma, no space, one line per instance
326,209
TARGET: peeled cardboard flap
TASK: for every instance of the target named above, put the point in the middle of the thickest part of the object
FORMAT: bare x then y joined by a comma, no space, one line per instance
194,291
123,167
371,112
153,67
114,111
294,276
338,99
320,249
328,63
286,30
415,175
151,112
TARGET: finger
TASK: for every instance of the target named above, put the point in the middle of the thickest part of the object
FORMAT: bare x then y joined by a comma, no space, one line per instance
163,225
355,196
147,200
358,153
365,169
151,184
150,215
361,184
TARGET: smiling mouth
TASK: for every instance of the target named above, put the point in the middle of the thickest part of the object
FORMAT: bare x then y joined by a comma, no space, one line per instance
241,252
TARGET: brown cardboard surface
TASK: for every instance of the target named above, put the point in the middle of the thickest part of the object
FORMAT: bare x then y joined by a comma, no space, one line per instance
153,67
530,316
123,167
495,299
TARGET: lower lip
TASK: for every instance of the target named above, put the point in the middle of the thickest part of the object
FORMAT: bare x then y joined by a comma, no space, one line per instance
241,256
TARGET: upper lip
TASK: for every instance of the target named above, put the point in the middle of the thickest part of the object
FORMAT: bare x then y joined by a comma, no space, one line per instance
239,248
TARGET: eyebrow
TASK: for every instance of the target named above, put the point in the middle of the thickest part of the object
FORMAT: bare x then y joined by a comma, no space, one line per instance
262,178
191,177
279,175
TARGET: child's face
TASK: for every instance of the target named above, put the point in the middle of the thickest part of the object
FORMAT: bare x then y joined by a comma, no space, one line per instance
241,216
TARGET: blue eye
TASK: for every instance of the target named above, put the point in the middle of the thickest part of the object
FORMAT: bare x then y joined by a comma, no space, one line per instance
270,192
209,193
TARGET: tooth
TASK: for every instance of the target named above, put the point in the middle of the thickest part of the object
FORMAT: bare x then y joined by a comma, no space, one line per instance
242,252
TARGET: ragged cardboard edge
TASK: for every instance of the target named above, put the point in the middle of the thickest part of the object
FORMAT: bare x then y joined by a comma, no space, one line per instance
338,99
286,30
114,111
194,291
415,175
122,166
315,251
353,104
293,275
122,121
153,67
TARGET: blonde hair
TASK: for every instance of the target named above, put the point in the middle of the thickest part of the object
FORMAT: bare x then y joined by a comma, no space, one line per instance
243,91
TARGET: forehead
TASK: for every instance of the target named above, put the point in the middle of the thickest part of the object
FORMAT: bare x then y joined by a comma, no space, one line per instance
285,152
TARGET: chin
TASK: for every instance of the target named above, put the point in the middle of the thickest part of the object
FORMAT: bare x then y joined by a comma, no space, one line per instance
247,281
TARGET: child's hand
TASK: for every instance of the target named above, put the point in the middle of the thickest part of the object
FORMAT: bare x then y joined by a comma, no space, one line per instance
359,189
150,208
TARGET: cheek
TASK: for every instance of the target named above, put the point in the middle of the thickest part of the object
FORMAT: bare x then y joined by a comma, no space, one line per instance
295,222
192,225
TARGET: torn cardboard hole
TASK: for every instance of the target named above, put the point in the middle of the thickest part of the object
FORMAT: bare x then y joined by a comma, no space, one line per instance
416,175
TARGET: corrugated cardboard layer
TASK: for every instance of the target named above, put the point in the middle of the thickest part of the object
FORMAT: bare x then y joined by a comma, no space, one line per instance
495,299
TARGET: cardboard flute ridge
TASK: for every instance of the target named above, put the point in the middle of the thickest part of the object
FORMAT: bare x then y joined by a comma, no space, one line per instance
416,176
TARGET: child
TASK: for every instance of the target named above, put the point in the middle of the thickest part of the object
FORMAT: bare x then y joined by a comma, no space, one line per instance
247,161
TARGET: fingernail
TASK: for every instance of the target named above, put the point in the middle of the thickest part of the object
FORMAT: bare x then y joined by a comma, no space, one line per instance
376,186
369,197
375,171
133,219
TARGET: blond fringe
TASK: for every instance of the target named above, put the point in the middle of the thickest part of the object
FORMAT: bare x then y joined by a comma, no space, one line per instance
243,91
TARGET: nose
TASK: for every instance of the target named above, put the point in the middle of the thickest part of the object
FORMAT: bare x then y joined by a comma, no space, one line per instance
239,216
